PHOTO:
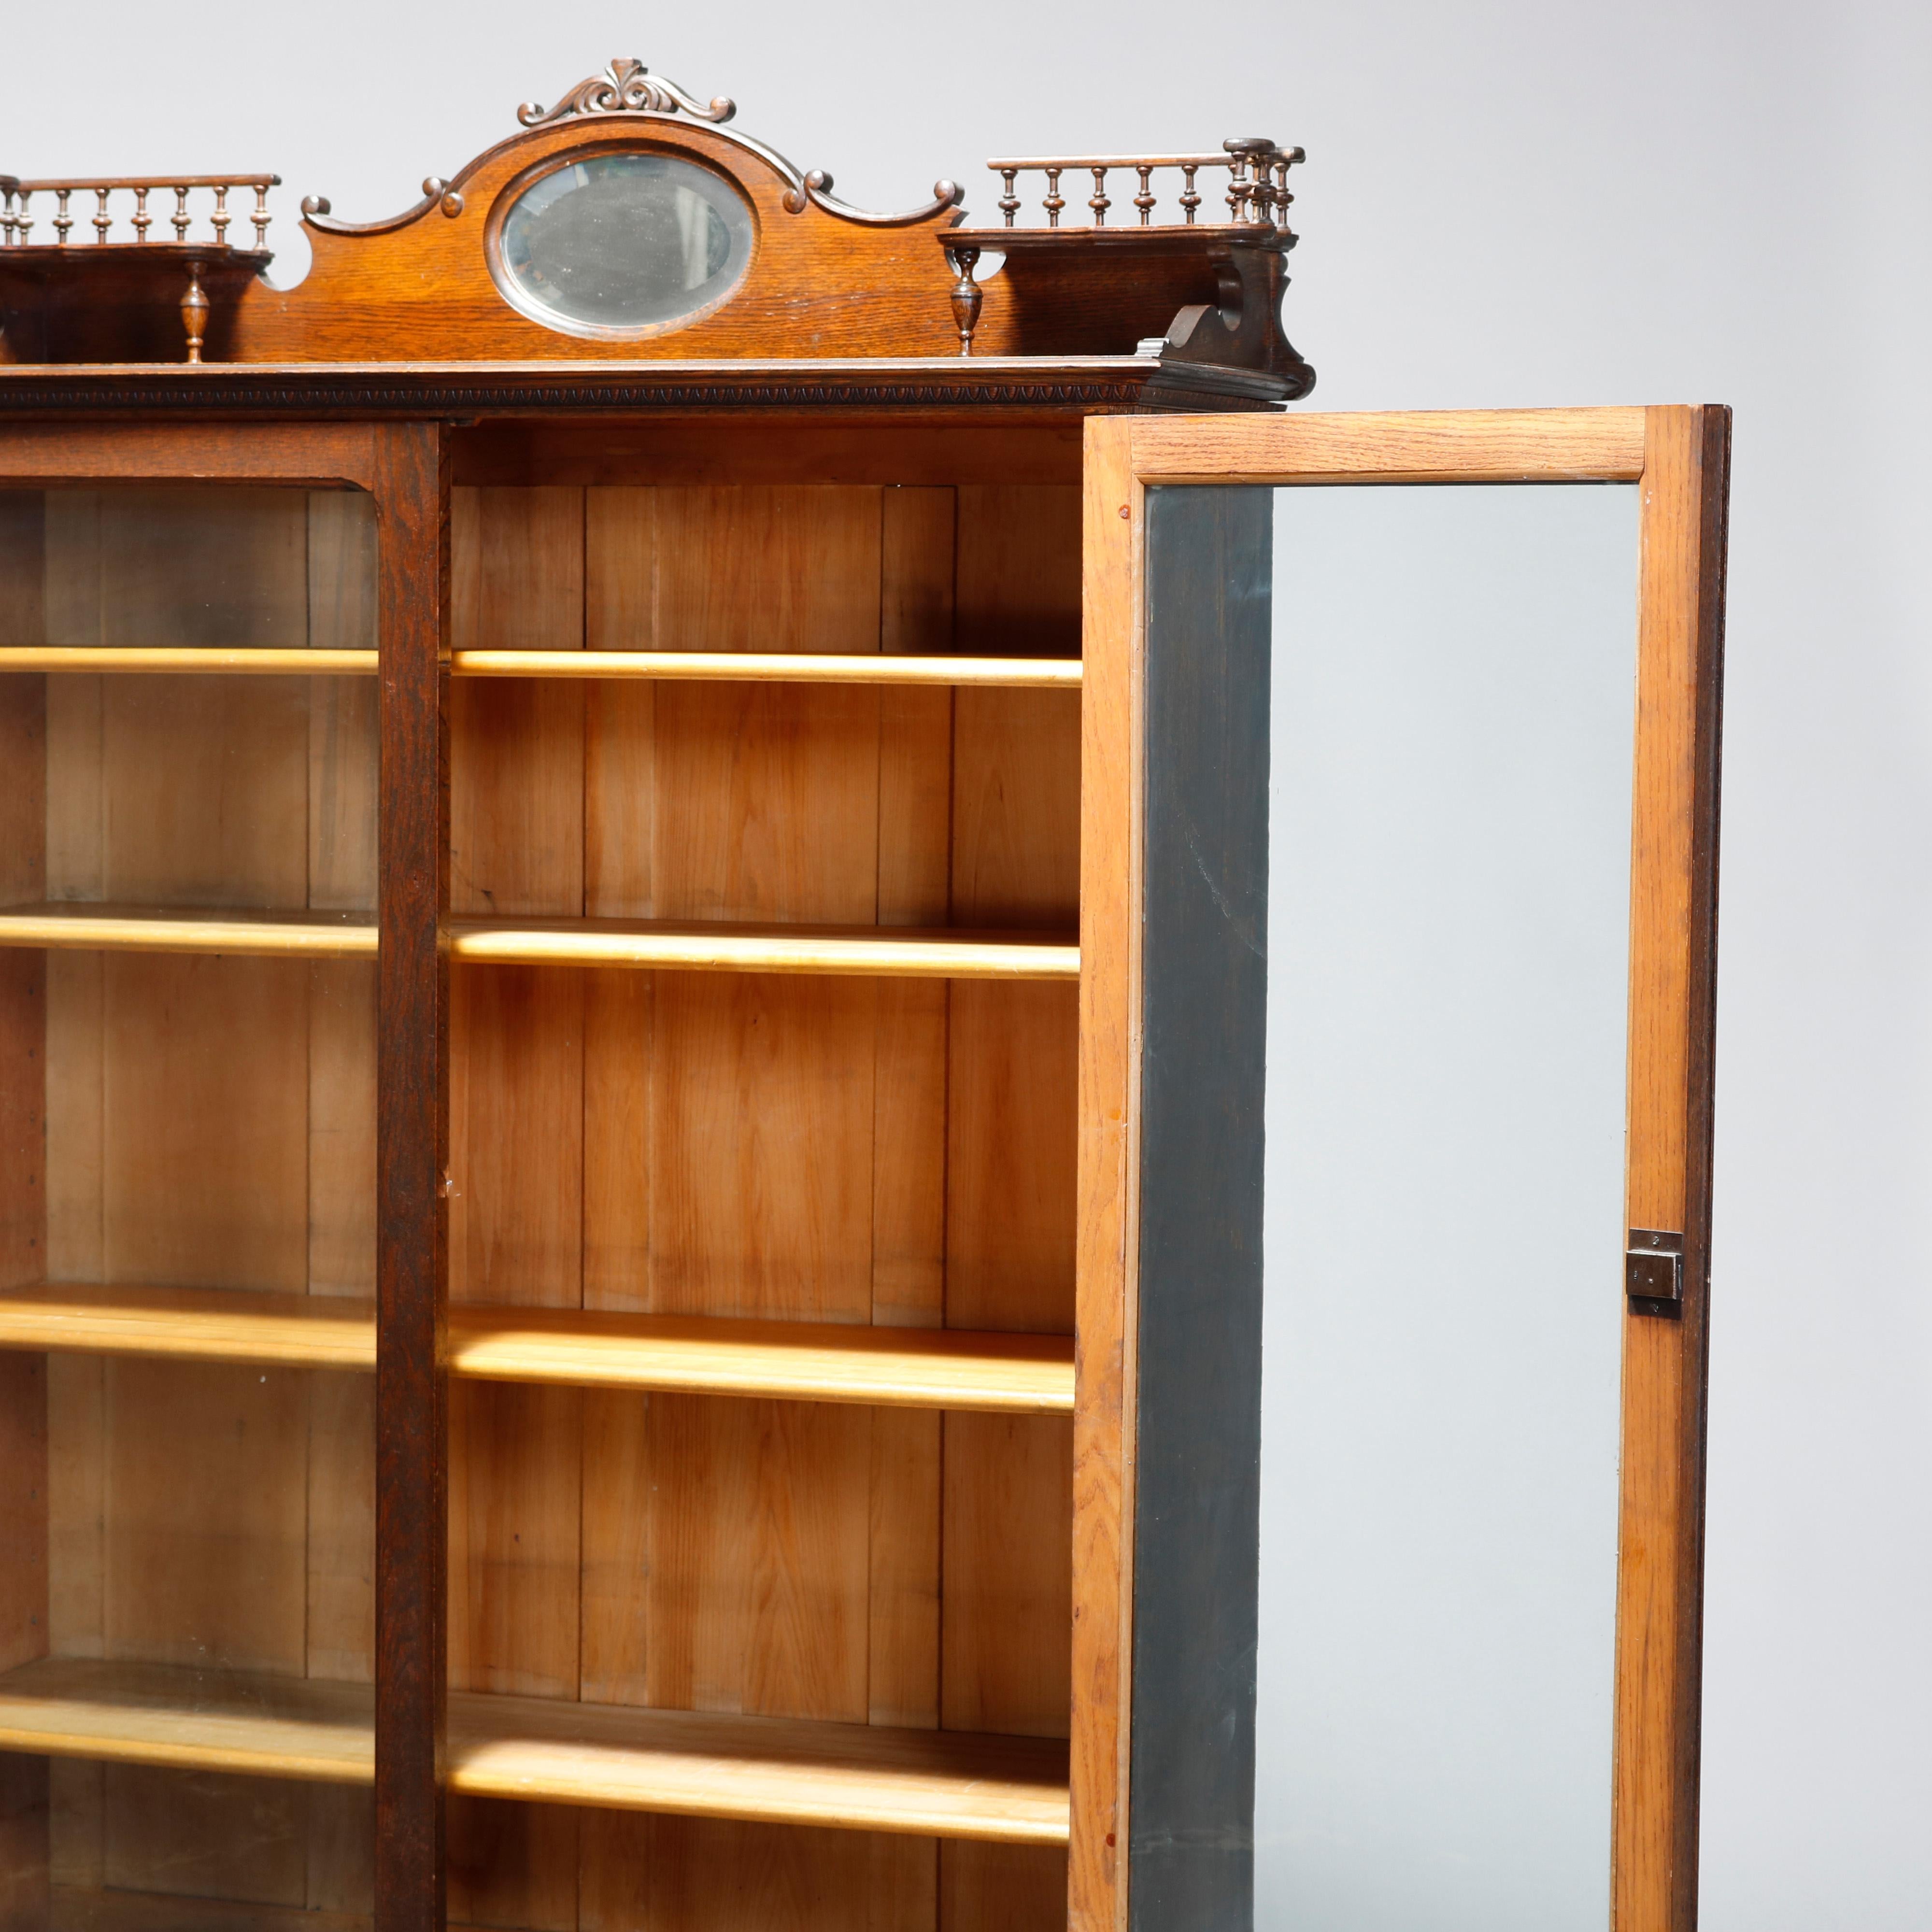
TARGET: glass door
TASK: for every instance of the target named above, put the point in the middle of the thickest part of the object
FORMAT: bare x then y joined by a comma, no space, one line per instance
188,1098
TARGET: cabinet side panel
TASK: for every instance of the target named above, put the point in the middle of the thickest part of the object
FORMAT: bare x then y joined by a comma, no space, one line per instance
1205,1015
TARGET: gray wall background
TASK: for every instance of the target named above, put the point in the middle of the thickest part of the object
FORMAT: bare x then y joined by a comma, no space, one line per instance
1507,201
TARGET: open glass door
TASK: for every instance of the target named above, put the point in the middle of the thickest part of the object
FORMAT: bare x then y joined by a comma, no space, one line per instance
1469,917
188,1085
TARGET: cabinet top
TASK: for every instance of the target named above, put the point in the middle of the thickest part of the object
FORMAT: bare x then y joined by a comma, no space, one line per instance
629,250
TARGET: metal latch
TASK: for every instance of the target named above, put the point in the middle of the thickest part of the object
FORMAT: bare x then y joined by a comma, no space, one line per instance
1654,1266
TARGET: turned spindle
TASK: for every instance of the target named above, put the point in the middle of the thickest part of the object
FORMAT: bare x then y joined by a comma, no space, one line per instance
22,223
1145,200
221,218
1009,200
103,220
260,217
143,221
194,312
63,221
967,296
1097,201
1190,199
180,216
1055,202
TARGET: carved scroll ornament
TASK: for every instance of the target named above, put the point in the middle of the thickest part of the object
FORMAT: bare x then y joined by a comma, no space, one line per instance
626,86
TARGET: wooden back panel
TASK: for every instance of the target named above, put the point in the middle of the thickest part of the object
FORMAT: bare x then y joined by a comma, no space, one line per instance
885,1152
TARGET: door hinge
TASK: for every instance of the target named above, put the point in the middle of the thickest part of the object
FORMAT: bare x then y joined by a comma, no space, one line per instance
1654,1266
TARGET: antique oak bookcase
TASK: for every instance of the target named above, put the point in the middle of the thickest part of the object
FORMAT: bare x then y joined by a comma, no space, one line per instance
630,1031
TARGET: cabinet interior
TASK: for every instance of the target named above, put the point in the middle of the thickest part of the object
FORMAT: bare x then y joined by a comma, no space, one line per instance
850,1149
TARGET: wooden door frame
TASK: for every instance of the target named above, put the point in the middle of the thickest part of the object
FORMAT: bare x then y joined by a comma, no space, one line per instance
404,467
1679,457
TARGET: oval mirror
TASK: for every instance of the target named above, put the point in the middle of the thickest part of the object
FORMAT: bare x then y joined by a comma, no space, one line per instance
622,243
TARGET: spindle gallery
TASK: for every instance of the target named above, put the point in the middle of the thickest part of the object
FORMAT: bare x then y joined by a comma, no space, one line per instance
611,1041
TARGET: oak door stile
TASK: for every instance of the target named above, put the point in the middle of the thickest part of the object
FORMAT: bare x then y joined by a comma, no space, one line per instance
1672,1021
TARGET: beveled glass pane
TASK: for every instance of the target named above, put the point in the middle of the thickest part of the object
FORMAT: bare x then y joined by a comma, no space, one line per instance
624,242
1449,902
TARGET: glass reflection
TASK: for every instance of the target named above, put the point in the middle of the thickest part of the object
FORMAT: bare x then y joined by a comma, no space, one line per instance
623,242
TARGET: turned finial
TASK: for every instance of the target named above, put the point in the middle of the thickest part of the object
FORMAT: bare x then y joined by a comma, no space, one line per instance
194,312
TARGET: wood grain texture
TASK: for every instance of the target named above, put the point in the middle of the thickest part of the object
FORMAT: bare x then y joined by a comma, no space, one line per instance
411,480
1673,946
802,1361
169,1160
878,289
1006,1607
291,1330
781,1770
24,1620
686,947
690,1763
201,660
893,1367
1107,1167
321,454
736,668
1018,1887
112,928
275,1726
644,1874
517,750
1601,445
801,444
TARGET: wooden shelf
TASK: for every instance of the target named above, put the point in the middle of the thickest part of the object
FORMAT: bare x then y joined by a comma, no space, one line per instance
301,1727
915,1368
949,1784
859,1777
888,952
774,666
909,1368
717,667
83,926
902,952
168,659
194,1324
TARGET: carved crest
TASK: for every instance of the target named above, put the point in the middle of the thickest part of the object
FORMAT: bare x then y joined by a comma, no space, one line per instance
626,86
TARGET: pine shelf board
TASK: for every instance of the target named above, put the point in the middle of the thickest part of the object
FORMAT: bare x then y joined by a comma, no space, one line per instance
867,951
775,667
908,952
722,666
300,1727
192,660
195,1324
697,1764
949,1784
84,926
918,1368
